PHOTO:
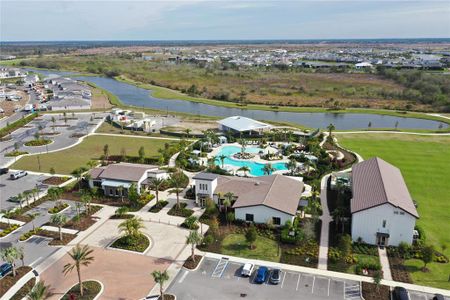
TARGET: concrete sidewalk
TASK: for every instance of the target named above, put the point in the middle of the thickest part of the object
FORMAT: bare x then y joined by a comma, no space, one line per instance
384,261
326,219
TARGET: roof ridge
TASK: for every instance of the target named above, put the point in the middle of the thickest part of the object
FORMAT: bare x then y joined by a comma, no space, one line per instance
377,159
271,186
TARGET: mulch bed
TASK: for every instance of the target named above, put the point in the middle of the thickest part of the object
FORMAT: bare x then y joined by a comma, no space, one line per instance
121,217
77,135
24,290
67,237
348,159
86,220
181,212
158,206
56,126
398,270
50,133
90,289
22,216
167,297
55,180
141,243
370,291
190,264
7,282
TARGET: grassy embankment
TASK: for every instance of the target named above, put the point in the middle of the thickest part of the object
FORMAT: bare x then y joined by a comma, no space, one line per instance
425,164
65,161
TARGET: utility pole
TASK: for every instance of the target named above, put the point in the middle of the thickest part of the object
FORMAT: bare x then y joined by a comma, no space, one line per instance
39,163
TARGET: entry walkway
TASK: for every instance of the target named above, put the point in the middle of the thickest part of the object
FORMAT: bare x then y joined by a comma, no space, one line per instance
326,219
382,253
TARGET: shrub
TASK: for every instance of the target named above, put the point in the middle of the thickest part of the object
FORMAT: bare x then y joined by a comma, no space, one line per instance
191,223
180,212
208,240
334,255
158,206
8,230
28,234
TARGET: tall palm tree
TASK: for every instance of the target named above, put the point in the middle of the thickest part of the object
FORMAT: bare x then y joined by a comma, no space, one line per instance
53,121
176,180
188,132
32,216
10,255
59,220
160,278
212,161
245,169
229,197
39,292
132,227
243,145
20,199
222,159
81,257
156,184
92,164
27,195
193,239
291,165
330,129
120,191
268,169
35,192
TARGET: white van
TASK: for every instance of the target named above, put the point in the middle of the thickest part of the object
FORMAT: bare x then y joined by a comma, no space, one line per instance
247,270
18,174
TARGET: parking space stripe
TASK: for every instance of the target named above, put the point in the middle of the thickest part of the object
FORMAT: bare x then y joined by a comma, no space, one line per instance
344,291
314,280
329,281
282,282
298,281
183,277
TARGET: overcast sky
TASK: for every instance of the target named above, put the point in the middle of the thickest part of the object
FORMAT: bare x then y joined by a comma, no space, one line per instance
174,20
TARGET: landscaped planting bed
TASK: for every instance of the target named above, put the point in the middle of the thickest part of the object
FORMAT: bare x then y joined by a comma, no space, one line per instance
90,288
8,281
24,290
15,153
66,237
137,244
85,221
20,213
190,264
25,236
180,212
36,143
158,206
55,180
305,255
7,229
371,292
58,207
121,217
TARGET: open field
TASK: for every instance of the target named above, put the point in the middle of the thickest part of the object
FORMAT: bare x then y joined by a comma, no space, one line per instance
235,244
251,85
425,165
65,161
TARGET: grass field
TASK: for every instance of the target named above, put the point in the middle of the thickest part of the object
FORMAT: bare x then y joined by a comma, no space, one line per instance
236,245
65,161
425,164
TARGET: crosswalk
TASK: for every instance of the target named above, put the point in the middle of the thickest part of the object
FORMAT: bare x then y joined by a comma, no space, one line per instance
220,267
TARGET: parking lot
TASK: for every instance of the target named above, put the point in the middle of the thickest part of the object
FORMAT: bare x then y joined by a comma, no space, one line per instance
222,280
9,188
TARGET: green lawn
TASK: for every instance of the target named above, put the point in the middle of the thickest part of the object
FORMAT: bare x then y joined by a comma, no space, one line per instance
236,245
425,164
65,161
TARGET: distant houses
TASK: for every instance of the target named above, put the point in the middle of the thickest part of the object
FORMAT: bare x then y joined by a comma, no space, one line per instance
68,94
383,212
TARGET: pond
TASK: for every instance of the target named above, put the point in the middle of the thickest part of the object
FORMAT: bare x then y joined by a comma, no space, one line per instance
136,96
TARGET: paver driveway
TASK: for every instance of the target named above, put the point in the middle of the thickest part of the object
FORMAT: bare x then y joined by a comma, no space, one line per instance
124,275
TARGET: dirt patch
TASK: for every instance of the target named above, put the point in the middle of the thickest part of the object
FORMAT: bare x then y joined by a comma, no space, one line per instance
99,99
9,106
55,180
190,264
398,270
371,292
66,237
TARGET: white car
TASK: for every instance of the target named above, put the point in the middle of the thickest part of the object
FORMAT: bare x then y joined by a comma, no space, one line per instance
18,174
247,270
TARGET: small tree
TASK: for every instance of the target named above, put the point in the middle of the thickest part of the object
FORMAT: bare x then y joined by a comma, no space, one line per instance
222,159
156,184
21,255
330,129
427,255
345,244
141,154
39,292
120,191
81,257
230,217
160,278
193,239
133,194
228,199
52,171
32,216
268,169
106,151
251,235
377,276
10,255
176,181
53,121
59,220
122,211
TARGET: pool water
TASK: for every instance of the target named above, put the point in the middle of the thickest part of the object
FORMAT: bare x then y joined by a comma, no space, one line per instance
256,169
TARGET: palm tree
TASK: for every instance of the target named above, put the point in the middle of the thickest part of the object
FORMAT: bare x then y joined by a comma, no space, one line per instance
245,169
212,161
33,216
53,121
35,192
20,199
39,292
156,184
106,151
229,197
193,239
78,173
121,211
86,198
10,255
132,227
176,180
59,220
330,129
21,255
268,169
243,145
81,257
160,278
222,159
188,131
291,165
27,195
91,164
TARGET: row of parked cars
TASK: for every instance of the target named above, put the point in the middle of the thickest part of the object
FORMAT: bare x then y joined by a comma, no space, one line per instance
400,293
15,175
262,274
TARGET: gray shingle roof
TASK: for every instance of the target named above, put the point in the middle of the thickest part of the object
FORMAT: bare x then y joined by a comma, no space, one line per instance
376,182
275,191
205,176
121,171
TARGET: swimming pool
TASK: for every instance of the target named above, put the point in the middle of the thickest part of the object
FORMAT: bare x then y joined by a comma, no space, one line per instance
255,167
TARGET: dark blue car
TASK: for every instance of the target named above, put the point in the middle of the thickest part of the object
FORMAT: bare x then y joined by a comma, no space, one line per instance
261,275
5,269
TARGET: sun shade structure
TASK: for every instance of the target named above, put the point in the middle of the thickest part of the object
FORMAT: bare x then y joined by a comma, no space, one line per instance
376,182
242,124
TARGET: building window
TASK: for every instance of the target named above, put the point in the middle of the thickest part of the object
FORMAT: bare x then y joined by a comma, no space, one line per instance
249,217
395,212
402,212
276,221
384,223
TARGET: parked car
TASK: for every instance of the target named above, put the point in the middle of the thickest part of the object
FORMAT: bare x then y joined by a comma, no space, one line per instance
13,199
4,171
261,275
275,276
18,174
5,269
438,297
247,270
400,293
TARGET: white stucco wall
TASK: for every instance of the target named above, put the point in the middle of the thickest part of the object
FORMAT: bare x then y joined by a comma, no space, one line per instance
262,214
210,184
367,223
